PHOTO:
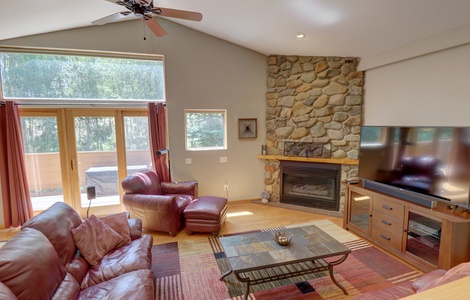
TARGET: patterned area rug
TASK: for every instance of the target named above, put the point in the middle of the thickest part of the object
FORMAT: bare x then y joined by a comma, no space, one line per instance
190,270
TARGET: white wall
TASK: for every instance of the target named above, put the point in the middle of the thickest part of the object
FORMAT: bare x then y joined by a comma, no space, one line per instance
201,72
427,90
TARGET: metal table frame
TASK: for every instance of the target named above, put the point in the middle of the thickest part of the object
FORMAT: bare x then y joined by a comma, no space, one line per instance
288,268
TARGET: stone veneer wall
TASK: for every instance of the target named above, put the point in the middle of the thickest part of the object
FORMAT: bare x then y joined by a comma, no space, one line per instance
312,99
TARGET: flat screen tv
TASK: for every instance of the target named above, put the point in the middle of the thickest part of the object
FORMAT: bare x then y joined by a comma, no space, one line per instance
421,164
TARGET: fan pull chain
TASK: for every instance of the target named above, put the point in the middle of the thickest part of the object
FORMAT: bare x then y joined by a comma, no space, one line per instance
143,29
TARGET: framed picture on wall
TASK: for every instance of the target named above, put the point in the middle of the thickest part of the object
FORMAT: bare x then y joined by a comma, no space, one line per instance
247,128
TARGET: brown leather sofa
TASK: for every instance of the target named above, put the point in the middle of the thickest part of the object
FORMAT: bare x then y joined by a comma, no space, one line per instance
426,282
42,262
159,205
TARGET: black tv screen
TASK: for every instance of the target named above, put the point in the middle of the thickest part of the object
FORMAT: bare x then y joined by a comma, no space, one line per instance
432,162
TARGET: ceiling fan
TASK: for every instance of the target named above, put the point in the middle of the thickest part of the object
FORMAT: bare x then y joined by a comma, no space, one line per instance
145,10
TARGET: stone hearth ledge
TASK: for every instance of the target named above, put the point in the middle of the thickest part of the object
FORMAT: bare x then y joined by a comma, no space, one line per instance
339,161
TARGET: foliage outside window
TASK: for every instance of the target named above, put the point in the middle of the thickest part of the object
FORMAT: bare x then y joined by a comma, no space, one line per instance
205,129
40,134
371,135
47,76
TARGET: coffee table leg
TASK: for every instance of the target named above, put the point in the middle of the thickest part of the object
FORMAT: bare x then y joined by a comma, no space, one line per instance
336,281
247,282
230,271
330,269
247,291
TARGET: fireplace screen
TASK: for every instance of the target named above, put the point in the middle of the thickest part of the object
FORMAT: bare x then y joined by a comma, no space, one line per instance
310,184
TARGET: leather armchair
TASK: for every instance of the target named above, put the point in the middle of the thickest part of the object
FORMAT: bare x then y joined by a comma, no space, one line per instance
159,205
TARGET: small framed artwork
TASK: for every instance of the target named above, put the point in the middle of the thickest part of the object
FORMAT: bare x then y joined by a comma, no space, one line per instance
247,128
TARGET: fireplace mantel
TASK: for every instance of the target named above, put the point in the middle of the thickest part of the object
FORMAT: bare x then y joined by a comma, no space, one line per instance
339,161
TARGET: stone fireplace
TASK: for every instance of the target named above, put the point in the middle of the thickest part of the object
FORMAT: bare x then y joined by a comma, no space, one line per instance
310,184
312,100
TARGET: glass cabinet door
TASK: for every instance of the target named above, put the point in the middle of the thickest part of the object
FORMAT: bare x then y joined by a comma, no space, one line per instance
424,237
360,210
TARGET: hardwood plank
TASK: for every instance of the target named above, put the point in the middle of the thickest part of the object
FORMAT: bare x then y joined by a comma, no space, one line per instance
245,216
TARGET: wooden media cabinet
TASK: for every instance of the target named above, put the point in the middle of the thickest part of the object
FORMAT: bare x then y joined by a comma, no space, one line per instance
427,238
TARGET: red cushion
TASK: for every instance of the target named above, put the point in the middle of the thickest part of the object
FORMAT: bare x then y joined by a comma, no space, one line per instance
118,222
94,239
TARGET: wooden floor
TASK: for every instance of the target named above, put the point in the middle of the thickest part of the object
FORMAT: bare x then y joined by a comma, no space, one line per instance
242,216
245,216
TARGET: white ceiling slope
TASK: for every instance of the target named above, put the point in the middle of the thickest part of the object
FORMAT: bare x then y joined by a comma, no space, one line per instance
376,31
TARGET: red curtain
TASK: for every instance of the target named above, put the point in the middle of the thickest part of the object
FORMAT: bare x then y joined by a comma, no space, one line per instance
17,207
157,132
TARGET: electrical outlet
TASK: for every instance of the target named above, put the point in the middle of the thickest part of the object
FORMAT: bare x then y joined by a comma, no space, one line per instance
225,187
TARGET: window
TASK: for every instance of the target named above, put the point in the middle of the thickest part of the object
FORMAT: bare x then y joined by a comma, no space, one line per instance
371,135
86,137
206,129
78,77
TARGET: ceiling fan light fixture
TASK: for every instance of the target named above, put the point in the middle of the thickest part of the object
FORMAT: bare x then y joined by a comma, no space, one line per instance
300,35
144,10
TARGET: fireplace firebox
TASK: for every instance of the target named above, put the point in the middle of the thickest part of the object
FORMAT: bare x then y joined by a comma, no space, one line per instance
309,184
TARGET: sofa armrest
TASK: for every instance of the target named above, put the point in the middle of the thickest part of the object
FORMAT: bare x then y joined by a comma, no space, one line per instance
135,228
137,202
184,188
427,278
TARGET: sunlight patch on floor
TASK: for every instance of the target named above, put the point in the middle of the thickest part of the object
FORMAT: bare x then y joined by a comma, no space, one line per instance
239,214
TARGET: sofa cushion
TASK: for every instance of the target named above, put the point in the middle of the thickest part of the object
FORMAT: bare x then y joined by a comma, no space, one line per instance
135,228
136,285
118,222
135,256
30,266
69,289
94,239
457,272
56,224
6,293
78,267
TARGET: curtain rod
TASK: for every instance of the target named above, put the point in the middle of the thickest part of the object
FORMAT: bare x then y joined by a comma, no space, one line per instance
75,104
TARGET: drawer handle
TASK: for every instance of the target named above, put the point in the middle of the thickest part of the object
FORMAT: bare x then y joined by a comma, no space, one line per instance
385,237
387,207
386,222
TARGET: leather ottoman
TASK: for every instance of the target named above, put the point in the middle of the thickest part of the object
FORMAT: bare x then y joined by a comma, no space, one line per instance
206,214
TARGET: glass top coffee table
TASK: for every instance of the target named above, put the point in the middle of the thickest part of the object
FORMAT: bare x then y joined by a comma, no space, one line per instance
256,258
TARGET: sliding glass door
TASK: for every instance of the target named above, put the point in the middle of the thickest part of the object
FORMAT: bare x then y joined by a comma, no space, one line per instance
68,150
43,141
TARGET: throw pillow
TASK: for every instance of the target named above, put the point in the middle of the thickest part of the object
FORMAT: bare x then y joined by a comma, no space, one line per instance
94,239
118,222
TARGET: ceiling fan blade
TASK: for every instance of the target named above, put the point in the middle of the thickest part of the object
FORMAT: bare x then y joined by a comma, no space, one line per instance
112,18
156,28
143,2
176,13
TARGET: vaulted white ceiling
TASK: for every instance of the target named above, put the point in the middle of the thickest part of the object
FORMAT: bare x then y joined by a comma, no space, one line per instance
369,29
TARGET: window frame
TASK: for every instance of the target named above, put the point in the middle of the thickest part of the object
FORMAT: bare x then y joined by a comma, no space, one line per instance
89,53
207,111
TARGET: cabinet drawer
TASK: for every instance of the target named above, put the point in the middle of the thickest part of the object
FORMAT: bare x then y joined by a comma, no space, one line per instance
383,222
387,238
388,207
